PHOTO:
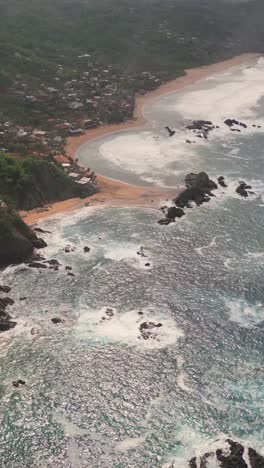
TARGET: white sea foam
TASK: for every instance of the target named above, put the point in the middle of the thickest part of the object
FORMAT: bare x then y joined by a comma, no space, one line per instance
129,252
148,157
123,327
129,443
247,315
234,94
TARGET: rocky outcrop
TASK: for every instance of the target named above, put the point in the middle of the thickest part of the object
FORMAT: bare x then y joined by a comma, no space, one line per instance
232,455
174,212
221,181
199,189
17,240
6,323
231,122
170,132
146,329
203,127
243,189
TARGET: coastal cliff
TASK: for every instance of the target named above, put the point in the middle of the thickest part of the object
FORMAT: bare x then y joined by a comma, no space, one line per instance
17,240
29,182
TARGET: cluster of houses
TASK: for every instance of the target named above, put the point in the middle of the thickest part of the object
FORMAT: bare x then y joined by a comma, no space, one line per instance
67,105
80,174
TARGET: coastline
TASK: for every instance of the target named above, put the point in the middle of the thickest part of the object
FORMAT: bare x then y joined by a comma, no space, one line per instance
117,193
192,76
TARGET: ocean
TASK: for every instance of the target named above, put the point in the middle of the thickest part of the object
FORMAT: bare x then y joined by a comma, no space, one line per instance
97,394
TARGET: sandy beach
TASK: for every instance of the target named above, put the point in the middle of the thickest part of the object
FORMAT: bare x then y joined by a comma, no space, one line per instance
113,192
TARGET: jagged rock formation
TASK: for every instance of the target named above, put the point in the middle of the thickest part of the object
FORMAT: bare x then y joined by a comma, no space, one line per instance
17,240
232,455
199,188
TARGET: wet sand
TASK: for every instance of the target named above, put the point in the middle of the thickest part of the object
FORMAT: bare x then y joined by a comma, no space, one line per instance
116,193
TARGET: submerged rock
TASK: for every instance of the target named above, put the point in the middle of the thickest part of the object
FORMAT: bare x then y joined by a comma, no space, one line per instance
86,249
56,320
37,265
165,221
17,383
42,231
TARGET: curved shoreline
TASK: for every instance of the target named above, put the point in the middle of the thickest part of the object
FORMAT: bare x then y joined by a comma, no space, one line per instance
118,193
192,76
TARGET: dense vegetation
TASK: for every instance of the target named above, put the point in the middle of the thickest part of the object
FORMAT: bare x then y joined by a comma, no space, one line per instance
162,37
28,182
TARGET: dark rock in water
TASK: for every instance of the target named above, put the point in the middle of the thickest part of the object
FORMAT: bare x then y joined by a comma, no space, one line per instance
174,212
56,320
149,326
141,252
6,324
24,298
39,243
231,122
36,257
140,312
243,188
86,249
199,187
146,327
165,221
18,382
42,231
200,181
109,312
193,463
147,264
200,125
68,268
6,301
163,208
256,460
188,141
221,181
234,458
69,249
5,289
37,265
70,273
171,132
53,262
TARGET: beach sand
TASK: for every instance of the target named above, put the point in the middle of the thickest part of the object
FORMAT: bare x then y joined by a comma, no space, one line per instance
113,192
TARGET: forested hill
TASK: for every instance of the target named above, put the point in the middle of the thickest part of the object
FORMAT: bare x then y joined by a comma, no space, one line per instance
135,35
